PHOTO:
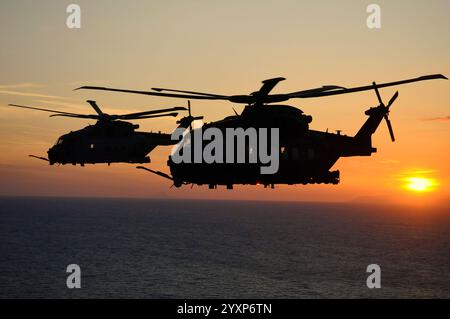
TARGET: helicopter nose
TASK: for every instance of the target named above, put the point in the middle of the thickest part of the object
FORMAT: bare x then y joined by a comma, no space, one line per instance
52,156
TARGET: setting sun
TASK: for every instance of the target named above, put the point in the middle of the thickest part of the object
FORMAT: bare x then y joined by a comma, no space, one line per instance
420,184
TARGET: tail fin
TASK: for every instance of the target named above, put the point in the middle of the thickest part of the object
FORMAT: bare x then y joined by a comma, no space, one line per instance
376,115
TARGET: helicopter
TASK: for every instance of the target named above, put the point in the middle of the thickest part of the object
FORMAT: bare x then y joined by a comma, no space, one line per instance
110,139
306,156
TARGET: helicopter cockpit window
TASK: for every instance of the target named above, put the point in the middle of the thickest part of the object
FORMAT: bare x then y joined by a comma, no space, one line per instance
59,141
284,152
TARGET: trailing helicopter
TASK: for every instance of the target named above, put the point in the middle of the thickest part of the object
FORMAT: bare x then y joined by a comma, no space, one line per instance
306,156
110,139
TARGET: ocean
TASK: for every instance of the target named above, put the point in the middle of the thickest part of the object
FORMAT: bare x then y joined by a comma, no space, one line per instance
139,248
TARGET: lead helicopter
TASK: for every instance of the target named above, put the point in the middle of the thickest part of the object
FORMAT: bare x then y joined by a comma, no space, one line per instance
110,139
306,155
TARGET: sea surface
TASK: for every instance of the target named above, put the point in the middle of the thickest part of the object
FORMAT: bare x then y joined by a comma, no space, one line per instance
136,248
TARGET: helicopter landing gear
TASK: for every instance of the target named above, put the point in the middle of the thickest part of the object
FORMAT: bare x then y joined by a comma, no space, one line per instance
328,178
177,184
140,160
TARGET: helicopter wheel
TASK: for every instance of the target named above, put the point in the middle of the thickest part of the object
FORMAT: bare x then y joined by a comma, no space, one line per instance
177,184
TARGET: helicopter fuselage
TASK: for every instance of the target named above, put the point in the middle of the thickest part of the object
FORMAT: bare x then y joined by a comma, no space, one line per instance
106,142
305,156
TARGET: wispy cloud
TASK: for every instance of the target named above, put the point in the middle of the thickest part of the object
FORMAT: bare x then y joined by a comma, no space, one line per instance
17,90
31,94
417,172
77,106
19,86
438,119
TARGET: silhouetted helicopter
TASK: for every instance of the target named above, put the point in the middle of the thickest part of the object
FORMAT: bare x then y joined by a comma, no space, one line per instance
306,156
109,140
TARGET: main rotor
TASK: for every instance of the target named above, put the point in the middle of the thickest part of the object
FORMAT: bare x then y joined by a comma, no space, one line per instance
263,96
104,117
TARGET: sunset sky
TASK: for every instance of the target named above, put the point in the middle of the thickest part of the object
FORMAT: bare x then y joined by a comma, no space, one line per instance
226,47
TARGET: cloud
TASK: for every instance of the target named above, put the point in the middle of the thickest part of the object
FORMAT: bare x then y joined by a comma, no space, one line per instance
415,172
439,119
19,86
30,94
76,106
16,89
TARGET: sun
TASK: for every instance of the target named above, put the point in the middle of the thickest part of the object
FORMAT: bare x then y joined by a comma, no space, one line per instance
420,184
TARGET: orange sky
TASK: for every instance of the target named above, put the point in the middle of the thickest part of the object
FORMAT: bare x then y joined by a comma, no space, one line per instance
224,47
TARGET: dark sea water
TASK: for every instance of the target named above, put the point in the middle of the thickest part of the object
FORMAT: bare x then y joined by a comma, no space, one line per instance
206,249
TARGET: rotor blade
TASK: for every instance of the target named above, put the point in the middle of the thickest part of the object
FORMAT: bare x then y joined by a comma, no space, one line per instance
189,92
39,157
80,116
392,100
243,99
389,125
182,96
378,94
95,107
324,88
155,172
312,93
132,115
41,109
150,116
268,86
115,117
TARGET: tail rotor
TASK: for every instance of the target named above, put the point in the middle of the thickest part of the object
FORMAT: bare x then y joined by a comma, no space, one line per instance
189,118
386,109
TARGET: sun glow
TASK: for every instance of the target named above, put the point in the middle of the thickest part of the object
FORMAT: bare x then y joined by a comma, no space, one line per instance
420,184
